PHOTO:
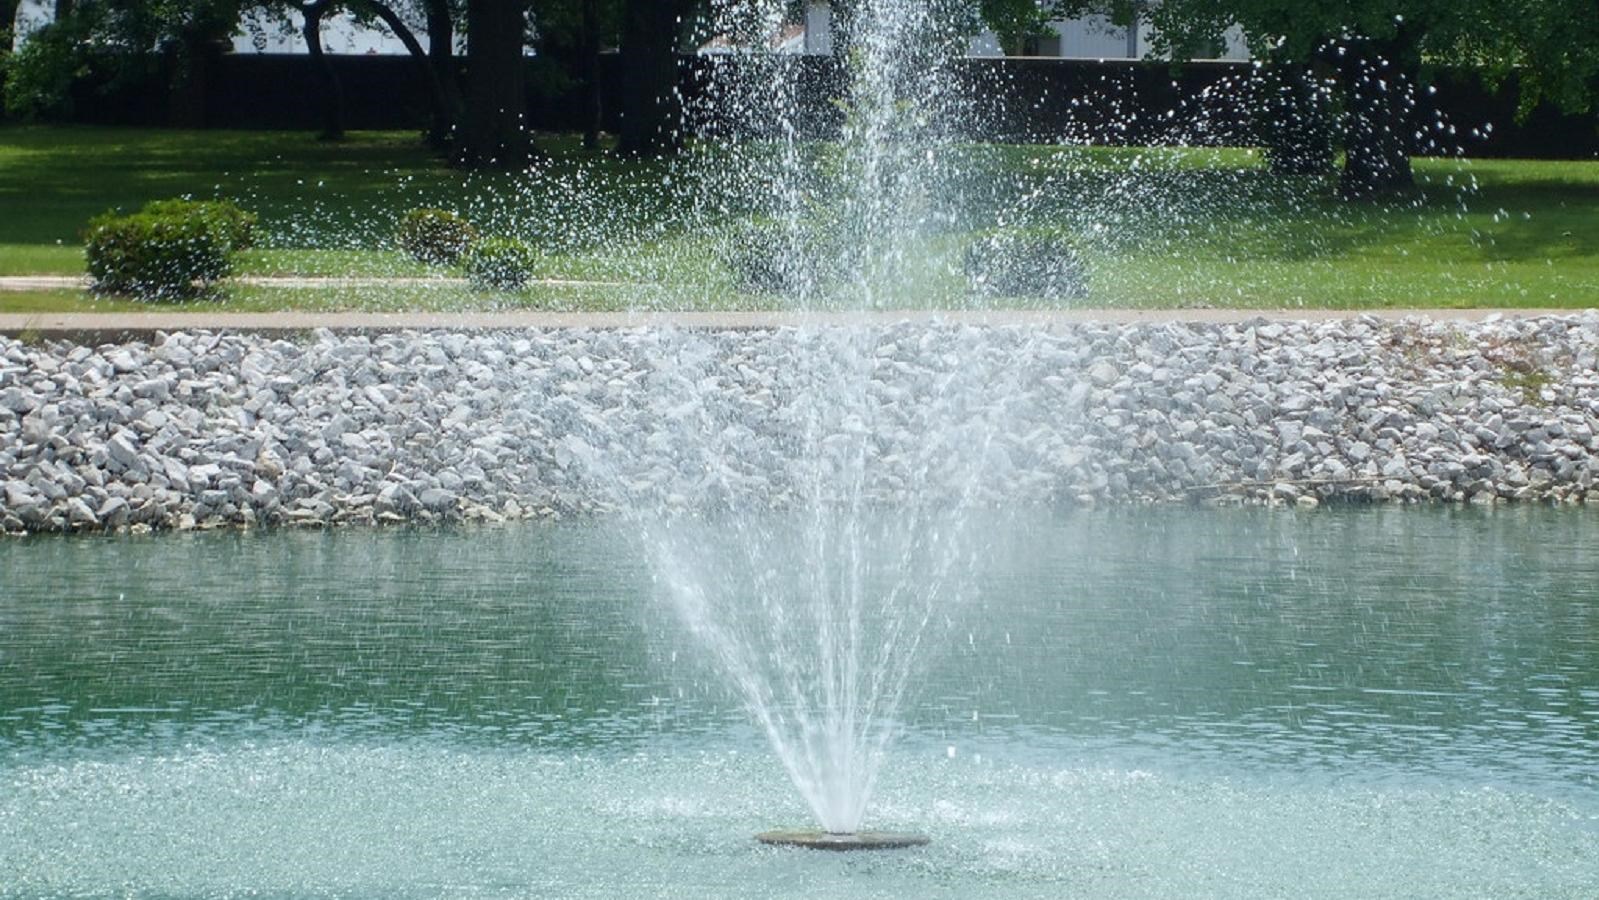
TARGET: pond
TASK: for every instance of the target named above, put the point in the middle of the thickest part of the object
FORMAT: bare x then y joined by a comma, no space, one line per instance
1141,702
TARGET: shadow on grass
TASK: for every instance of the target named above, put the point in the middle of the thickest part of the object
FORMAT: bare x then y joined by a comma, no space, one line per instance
343,195
1212,222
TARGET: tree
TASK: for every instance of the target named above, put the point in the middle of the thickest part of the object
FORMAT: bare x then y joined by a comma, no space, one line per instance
434,65
1375,48
39,77
436,77
571,35
1294,118
121,36
1018,22
487,126
8,21
1550,46
440,17
651,110
589,48
494,130
311,14
190,34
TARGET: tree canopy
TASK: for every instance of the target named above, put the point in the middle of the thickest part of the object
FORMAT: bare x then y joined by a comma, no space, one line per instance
1552,44
1016,21
1369,51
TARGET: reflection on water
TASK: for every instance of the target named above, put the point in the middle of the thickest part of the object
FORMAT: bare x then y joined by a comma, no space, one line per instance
1424,639
1359,674
1435,639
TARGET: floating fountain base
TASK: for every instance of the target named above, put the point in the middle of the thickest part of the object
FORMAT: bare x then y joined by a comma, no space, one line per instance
826,840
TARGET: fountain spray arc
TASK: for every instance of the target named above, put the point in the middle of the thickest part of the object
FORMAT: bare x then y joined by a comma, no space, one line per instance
815,581
852,173
819,621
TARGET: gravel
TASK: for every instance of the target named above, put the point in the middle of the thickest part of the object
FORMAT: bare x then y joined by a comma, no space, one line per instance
202,430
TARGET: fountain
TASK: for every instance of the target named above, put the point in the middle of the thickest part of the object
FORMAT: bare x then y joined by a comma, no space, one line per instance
825,553
820,620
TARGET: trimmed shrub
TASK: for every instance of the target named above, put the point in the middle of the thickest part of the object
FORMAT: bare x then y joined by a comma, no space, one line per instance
499,264
436,237
155,256
763,259
1019,264
766,258
232,225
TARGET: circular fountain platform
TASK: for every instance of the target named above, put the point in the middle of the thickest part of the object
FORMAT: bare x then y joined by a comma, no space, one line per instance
827,840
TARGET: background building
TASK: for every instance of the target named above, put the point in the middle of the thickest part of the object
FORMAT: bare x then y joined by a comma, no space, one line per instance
262,33
1088,37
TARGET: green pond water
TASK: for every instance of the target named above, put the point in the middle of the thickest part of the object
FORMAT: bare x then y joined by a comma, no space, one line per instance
1151,703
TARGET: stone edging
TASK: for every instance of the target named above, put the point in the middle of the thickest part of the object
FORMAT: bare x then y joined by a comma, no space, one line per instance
206,429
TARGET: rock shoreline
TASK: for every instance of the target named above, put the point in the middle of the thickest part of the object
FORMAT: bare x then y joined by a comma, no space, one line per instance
201,429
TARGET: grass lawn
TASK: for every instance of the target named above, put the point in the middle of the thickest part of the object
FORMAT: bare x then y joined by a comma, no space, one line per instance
1156,228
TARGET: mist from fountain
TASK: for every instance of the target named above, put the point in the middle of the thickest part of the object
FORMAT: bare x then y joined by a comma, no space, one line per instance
819,636
819,614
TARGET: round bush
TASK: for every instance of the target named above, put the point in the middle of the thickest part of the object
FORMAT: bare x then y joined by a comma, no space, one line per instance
155,256
436,237
766,258
232,225
762,259
499,264
1017,264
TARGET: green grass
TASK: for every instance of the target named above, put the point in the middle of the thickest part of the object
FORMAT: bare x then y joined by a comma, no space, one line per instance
1157,228
399,298
52,180
315,198
1212,228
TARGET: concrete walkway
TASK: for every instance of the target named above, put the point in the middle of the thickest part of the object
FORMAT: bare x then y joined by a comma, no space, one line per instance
100,327
92,327
18,283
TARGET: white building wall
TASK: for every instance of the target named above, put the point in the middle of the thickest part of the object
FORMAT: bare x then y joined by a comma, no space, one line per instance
819,28
1093,37
1236,47
31,15
985,45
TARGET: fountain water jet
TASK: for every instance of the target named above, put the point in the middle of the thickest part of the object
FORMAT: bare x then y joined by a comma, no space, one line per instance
819,638
818,618
825,840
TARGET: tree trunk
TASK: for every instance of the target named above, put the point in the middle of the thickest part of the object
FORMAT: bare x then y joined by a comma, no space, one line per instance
8,19
594,108
1295,122
190,72
333,90
494,132
443,120
1379,90
441,55
652,122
